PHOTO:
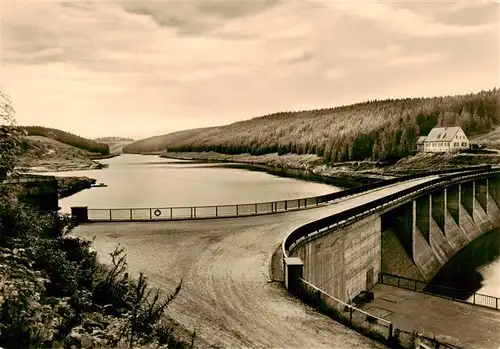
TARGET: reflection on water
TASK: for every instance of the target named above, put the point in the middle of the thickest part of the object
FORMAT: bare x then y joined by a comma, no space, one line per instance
136,181
476,268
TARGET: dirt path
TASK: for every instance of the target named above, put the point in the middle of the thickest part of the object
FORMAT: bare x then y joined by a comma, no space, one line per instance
226,295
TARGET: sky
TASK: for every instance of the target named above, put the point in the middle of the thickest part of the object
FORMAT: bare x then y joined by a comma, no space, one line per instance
139,69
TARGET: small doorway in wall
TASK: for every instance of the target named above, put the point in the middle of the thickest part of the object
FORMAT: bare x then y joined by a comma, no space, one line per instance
369,279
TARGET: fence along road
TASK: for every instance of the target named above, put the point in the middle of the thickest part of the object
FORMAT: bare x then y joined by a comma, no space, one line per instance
248,209
226,295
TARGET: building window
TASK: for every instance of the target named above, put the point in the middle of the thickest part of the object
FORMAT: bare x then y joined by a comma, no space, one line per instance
464,144
456,144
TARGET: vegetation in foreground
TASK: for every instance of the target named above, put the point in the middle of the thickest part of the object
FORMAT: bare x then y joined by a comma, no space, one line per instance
376,130
54,293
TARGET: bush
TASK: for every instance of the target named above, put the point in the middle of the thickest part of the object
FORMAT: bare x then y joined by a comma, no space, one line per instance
54,292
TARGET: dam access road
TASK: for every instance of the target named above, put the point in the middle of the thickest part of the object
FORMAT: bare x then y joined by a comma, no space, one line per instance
227,295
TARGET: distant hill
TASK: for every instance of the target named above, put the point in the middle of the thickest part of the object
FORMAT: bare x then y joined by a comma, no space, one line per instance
116,144
379,130
160,143
113,139
68,138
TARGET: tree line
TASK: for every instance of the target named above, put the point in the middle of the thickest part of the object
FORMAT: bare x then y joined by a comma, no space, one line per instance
68,138
112,139
377,130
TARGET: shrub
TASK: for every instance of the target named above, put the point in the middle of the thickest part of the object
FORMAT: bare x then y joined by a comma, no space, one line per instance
53,291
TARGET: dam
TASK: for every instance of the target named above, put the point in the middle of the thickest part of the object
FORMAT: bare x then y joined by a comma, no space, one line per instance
228,264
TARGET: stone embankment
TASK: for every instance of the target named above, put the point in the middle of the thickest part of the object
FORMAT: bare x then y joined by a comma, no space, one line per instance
361,171
68,186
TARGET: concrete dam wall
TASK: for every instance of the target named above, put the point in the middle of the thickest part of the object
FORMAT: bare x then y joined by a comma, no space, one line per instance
413,240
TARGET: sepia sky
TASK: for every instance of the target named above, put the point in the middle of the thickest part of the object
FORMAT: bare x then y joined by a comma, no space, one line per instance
110,68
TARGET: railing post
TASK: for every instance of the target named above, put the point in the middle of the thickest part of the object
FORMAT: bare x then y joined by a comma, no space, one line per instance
171,213
286,205
237,210
150,213
316,198
350,316
390,330
474,299
496,306
255,208
130,214
217,211
194,212
191,211
415,282
110,215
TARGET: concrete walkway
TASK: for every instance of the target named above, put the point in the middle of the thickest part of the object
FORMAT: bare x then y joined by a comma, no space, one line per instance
226,295
457,323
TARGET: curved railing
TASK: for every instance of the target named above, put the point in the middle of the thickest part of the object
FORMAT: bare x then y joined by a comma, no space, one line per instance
322,226
237,210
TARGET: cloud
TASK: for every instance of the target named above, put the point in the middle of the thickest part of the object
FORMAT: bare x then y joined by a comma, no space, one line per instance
406,21
138,69
422,59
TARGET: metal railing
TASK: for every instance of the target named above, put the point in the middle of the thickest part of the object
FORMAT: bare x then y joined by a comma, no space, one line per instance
342,312
248,209
216,211
439,290
323,226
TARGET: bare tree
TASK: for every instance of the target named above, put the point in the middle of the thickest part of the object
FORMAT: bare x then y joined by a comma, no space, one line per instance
10,136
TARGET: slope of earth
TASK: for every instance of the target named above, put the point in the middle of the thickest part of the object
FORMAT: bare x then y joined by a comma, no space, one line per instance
116,144
440,161
160,143
42,154
116,148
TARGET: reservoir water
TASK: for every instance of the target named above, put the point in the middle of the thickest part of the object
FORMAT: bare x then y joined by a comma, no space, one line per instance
136,181
476,268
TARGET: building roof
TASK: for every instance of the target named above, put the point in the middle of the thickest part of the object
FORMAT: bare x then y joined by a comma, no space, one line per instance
421,139
442,134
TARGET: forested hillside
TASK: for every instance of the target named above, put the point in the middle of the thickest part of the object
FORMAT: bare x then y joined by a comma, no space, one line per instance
160,143
68,138
376,129
113,139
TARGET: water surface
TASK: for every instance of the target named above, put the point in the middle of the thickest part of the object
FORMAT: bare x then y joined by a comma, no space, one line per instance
476,268
136,181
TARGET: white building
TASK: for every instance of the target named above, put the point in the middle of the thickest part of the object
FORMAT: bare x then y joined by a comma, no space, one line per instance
443,139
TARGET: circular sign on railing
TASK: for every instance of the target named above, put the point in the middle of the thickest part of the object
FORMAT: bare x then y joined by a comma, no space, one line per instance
157,212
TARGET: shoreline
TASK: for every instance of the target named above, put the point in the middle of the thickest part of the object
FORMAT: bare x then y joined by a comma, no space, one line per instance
358,171
68,185
70,166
